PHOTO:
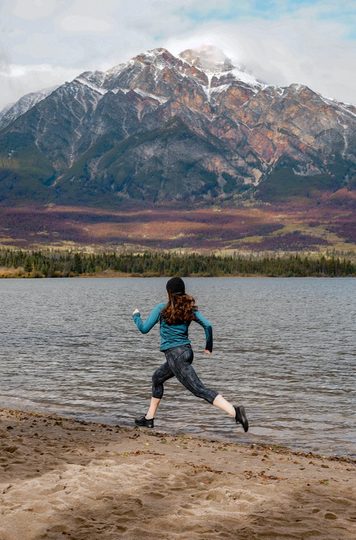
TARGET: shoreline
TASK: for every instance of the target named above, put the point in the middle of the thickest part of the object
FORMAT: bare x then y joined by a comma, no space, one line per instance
277,448
119,275
86,480
161,264
345,454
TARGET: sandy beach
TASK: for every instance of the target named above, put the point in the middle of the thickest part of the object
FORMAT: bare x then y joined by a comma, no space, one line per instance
61,478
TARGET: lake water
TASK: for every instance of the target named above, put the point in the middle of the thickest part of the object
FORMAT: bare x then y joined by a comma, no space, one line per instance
285,348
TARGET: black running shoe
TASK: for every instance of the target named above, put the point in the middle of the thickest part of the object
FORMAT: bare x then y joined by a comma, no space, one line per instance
143,422
241,417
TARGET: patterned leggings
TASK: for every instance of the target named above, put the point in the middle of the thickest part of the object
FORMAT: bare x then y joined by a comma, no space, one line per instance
178,364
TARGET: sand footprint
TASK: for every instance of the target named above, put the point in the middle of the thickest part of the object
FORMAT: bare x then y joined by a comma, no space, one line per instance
10,449
342,501
156,495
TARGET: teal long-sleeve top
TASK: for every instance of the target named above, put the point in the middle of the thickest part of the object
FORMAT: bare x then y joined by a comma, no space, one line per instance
173,335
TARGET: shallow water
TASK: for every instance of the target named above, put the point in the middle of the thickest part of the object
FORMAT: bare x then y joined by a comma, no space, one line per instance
285,348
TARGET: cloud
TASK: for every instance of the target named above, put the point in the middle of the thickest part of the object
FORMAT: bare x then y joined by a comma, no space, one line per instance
280,41
18,80
34,9
300,47
78,23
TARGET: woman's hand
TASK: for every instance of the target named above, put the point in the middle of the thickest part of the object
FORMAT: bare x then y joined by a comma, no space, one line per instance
207,352
136,311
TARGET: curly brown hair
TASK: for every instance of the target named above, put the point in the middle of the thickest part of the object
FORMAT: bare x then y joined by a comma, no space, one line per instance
179,308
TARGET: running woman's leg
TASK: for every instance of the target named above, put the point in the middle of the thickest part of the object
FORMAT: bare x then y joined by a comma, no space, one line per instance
180,359
152,408
160,376
223,404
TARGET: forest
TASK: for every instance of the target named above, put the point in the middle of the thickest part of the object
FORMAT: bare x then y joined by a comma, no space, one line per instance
38,264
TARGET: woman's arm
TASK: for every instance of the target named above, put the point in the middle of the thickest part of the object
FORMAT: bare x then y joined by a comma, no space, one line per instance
198,317
152,319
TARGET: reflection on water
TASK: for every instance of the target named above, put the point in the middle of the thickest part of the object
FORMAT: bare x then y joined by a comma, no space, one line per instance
283,347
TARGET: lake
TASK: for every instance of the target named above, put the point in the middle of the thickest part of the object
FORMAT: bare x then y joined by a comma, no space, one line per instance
283,347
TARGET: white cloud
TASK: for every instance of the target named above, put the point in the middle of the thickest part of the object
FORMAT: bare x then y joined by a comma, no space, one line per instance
18,80
307,45
34,9
93,8
78,23
293,49
43,47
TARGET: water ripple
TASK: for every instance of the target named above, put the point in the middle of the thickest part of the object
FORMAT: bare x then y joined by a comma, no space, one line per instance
283,347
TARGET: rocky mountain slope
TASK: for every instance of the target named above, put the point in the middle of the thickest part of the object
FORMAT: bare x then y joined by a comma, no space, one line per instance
12,111
165,129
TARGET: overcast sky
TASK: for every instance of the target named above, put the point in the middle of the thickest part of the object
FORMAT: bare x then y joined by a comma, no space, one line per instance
46,42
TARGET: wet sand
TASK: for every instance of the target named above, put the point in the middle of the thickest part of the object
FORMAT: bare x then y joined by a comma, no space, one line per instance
61,478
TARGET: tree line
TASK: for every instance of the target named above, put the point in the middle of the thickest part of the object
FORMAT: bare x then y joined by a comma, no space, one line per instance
15,263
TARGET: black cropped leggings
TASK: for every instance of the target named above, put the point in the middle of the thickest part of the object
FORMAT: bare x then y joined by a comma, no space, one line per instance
178,364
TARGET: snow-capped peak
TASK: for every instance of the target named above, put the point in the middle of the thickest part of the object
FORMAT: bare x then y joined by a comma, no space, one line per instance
160,58
24,104
207,58
214,62
154,74
155,53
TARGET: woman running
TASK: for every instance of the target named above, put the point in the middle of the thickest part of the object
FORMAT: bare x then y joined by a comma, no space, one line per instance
175,318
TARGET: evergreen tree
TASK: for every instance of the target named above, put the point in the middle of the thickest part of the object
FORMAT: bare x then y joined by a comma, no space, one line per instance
77,264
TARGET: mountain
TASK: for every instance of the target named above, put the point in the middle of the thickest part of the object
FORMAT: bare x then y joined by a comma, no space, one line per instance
14,110
189,129
5,109
162,128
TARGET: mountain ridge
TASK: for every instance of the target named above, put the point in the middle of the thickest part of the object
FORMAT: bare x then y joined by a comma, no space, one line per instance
164,131
254,126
